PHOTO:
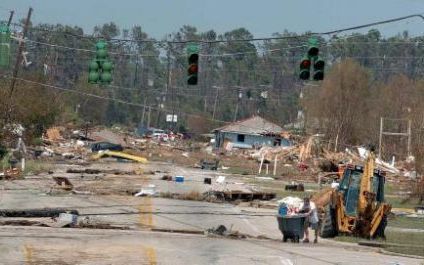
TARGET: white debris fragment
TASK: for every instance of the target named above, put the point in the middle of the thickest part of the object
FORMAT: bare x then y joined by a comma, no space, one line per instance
220,179
150,190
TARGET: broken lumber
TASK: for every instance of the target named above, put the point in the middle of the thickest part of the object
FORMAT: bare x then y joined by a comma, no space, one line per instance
116,154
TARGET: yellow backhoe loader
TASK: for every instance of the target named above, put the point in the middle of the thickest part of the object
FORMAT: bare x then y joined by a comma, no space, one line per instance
357,206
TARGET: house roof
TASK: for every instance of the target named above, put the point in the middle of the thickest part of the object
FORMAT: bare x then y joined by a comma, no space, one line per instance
252,125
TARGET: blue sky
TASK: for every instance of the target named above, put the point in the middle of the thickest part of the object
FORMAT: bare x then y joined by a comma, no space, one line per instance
262,18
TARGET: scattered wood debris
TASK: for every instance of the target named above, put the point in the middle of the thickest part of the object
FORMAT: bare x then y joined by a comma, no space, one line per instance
63,183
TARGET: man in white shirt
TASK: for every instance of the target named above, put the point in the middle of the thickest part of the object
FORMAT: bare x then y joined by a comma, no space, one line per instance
312,220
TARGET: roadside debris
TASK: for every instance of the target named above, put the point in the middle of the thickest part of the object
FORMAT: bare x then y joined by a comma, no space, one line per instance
83,171
103,146
11,173
179,179
289,205
150,190
211,165
122,155
46,212
166,177
295,187
221,230
63,183
63,220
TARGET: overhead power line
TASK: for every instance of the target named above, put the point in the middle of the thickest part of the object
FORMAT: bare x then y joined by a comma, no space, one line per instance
108,98
329,44
121,101
371,24
392,20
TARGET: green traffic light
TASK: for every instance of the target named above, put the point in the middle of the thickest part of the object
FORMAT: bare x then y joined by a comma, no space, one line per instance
107,66
101,54
100,68
106,78
93,66
93,77
101,45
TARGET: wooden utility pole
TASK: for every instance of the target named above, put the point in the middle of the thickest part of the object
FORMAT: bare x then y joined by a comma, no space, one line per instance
19,53
407,134
380,138
148,116
10,18
143,113
215,103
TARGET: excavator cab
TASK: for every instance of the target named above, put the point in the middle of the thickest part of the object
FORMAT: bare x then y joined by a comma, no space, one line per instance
350,187
357,206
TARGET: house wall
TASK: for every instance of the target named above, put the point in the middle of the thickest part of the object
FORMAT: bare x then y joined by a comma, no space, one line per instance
249,140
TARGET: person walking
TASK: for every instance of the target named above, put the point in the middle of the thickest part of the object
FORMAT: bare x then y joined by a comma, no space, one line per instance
310,210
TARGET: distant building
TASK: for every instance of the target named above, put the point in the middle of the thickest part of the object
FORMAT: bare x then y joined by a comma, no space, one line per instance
248,133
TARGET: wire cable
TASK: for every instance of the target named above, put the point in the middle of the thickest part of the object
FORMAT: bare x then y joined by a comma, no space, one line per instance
392,20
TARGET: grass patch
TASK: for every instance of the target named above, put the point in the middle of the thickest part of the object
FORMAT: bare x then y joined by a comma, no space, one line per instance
36,167
401,202
409,243
239,171
413,242
407,222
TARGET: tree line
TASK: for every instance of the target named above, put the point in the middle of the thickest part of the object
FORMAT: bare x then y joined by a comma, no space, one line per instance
367,76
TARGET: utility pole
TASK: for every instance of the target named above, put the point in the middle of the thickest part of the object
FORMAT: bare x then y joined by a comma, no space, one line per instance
144,112
148,117
167,87
19,54
216,100
409,137
239,93
239,96
407,134
10,18
380,140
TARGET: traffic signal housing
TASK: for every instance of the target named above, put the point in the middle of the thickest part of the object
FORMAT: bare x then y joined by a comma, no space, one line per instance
305,66
193,64
100,69
313,49
318,69
94,73
312,59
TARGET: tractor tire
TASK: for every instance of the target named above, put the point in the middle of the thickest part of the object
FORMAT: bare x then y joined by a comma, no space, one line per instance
328,225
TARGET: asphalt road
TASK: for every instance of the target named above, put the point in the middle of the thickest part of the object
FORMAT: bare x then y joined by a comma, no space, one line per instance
32,245
139,245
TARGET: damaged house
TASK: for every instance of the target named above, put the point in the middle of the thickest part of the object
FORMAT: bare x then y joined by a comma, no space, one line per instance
249,133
